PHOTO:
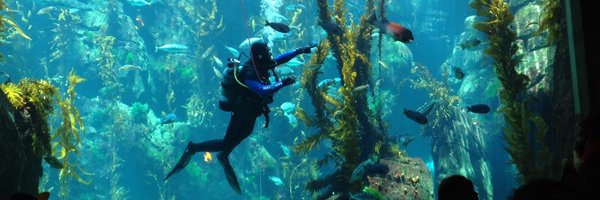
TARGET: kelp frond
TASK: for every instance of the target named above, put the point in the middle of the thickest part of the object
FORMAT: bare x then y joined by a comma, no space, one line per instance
530,157
14,94
552,20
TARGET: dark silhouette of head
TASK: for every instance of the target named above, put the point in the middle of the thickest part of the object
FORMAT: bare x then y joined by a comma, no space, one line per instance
546,189
456,187
261,55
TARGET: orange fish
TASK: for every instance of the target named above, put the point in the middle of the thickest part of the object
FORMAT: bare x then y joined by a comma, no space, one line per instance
397,31
207,157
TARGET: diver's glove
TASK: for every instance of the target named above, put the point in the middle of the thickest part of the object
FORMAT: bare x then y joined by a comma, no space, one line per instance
288,80
305,49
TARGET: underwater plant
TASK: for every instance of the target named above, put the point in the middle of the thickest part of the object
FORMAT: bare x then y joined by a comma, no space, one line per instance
531,157
354,135
438,91
106,65
37,100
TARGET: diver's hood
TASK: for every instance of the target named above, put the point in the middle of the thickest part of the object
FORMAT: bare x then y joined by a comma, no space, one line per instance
261,55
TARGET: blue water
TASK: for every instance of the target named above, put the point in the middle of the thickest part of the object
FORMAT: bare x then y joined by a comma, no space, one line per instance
129,159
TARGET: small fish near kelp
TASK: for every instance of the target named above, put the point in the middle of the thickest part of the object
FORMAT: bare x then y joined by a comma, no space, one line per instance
416,116
458,73
397,31
276,180
478,108
170,118
282,28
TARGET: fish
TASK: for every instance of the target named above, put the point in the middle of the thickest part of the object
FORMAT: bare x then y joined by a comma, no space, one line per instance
458,73
331,27
535,80
286,150
288,107
294,62
416,116
292,120
404,139
46,10
233,51
129,68
426,108
313,66
246,43
284,70
278,26
217,73
139,3
361,88
276,180
294,6
170,118
397,31
382,64
6,77
469,44
361,170
207,157
206,52
478,108
218,61
278,17
172,48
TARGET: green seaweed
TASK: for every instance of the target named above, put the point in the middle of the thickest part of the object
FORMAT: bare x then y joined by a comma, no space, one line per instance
38,100
373,192
354,127
530,157
139,112
552,20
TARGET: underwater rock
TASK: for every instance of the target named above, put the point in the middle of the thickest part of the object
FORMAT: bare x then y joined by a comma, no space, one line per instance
459,148
16,153
407,178
527,20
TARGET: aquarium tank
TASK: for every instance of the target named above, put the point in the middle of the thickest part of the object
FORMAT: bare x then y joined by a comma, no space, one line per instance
296,99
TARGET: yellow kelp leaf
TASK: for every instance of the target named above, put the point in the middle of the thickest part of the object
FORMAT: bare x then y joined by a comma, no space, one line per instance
17,28
83,171
14,94
63,153
75,176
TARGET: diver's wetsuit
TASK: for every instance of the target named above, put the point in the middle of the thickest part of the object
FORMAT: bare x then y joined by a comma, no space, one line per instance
251,103
247,108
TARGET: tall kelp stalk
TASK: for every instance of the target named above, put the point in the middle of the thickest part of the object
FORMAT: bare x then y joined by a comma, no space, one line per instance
526,133
68,137
346,120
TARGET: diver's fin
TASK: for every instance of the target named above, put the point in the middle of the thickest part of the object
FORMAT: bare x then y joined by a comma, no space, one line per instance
229,173
183,161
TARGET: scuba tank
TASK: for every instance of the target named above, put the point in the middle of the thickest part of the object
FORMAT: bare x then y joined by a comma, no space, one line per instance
230,86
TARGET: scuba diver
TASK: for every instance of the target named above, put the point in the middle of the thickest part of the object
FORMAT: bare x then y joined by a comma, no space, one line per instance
247,91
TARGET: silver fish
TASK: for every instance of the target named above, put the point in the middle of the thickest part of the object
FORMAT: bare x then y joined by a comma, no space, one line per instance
218,61
233,51
361,88
172,48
